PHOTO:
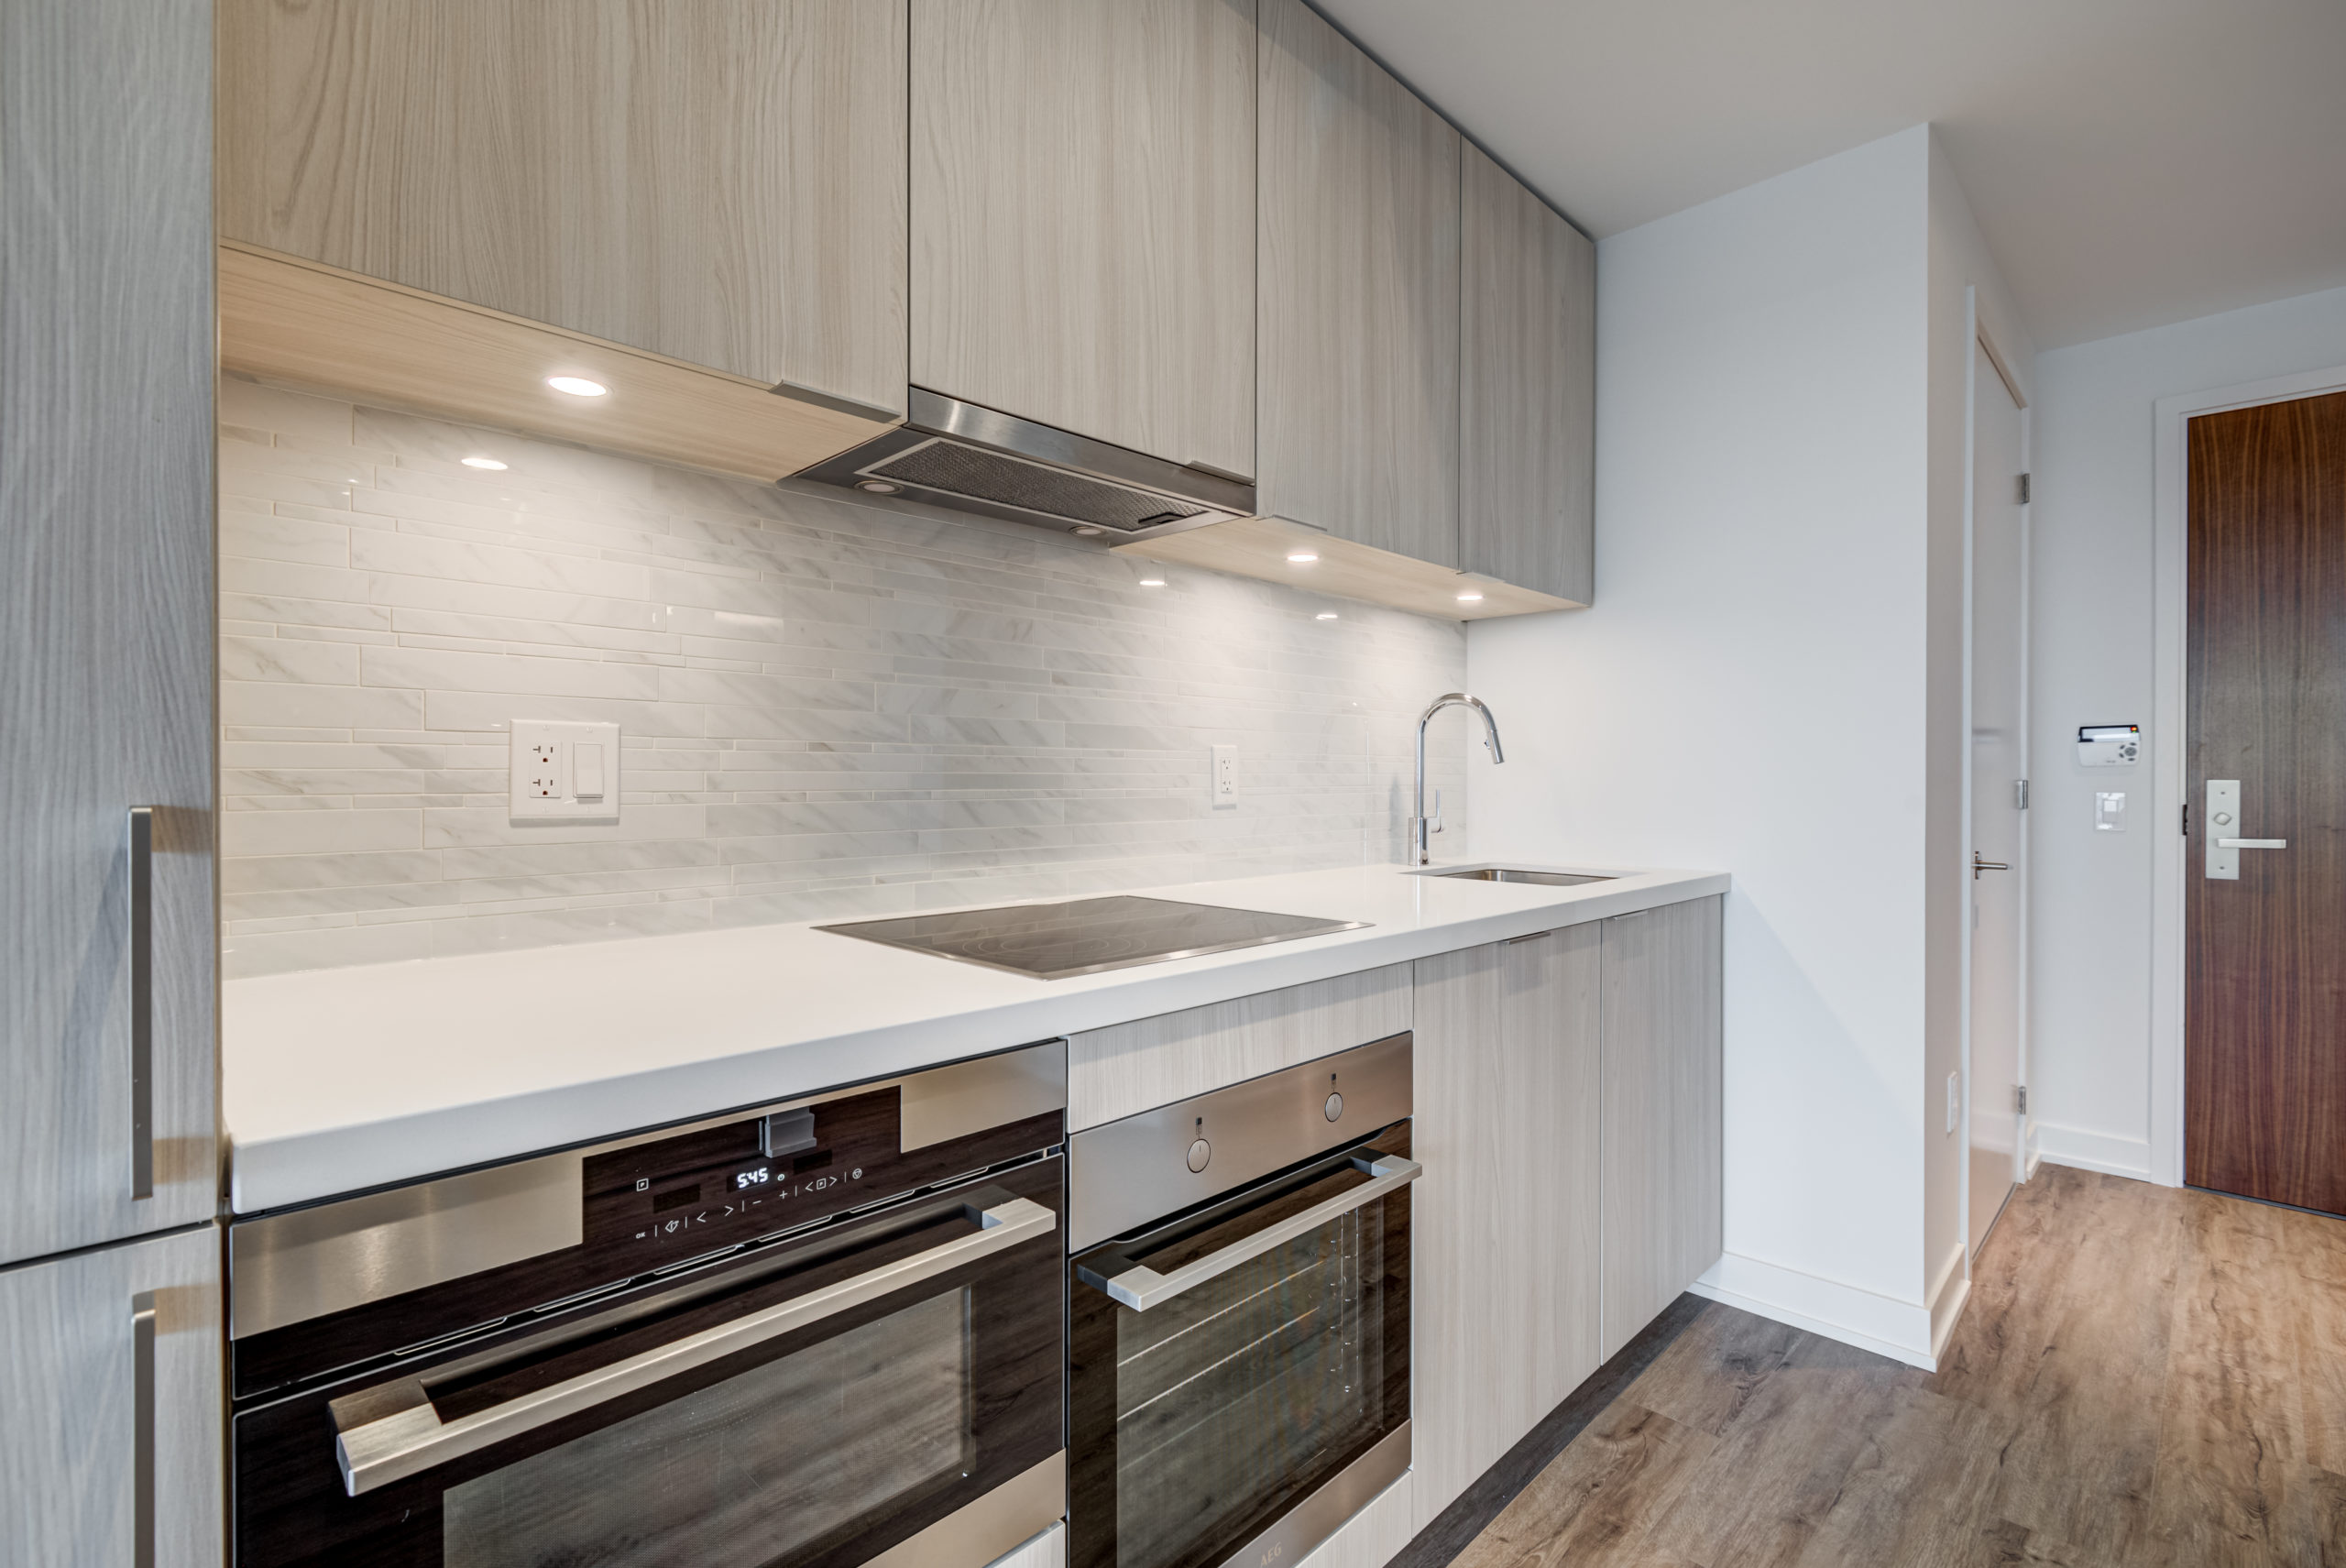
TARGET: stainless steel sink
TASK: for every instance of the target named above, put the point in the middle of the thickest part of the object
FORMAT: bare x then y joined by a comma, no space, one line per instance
1516,873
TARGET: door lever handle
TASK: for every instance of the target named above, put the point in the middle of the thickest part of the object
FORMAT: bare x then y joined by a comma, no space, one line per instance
2252,843
1978,865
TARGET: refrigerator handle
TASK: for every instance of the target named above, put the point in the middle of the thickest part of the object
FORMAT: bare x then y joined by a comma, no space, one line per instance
142,1001
142,1441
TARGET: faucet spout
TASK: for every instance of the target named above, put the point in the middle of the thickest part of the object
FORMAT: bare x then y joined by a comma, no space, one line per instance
1422,829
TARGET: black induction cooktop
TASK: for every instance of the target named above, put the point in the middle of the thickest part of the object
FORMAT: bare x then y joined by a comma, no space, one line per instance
1052,941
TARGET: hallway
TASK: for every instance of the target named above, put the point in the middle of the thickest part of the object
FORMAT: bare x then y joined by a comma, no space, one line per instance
2145,1376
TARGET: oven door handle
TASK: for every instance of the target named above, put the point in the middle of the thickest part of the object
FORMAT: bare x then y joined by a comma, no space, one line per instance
1141,1288
408,1440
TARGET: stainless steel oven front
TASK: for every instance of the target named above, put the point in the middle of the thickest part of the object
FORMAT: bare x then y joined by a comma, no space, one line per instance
1239,1316
820,1334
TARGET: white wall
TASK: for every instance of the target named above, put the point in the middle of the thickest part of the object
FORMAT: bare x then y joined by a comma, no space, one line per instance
1748,693
2089,914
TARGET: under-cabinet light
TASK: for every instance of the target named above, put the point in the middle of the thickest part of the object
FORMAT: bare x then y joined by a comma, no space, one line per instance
1152,582
1325,615
576,386
481,463
1301,557
1470,596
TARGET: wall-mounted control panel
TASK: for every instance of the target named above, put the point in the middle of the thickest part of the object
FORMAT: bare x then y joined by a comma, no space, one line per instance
565,771
2108,745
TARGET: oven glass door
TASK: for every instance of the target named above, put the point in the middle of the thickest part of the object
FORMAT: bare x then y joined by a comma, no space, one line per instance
1230,1369
811,1407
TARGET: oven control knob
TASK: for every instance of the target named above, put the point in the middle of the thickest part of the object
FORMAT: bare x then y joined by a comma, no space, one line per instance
1200,1152
1335,1106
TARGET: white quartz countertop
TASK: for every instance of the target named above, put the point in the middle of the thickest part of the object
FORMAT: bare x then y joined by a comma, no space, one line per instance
338,1081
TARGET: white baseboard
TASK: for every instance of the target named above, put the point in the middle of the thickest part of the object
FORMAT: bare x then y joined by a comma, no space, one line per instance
1949,1291
2093,1151
1900,1330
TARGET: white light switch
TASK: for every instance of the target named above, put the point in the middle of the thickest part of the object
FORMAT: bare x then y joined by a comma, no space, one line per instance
565,771
2109,811
1225,776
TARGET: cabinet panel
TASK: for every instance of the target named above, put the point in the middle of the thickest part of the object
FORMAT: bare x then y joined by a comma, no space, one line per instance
1083,217
1527,390
1662,1110
721,182
106,609
1359,290
1506,1289
1129,1068
73,1375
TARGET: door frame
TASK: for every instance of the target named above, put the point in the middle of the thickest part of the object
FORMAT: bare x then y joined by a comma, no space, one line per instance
2170,652
1986,341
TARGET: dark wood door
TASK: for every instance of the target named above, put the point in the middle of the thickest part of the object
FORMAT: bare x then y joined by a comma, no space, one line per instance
2264,1050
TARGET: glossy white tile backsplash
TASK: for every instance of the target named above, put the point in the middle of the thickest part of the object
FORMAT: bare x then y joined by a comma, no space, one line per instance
828,707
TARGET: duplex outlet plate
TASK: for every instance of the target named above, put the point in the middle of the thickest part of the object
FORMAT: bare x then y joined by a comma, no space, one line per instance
565,771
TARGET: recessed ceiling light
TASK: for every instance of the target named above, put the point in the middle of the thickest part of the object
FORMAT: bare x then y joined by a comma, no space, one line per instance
480,462
1086,530
1301,557
878,487
576,386
1152,582
1470,596
1325,615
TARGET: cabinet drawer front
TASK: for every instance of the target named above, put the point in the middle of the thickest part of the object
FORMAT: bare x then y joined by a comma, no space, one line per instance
1126,1068
110,1373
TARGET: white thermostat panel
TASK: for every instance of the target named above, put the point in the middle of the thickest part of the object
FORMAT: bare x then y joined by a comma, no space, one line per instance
2109,745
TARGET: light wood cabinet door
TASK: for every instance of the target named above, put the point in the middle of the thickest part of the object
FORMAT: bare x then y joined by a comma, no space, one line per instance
1359,292
107,450
1526,389
109,1373
1505,1286
720,182
1662,1110
1083,217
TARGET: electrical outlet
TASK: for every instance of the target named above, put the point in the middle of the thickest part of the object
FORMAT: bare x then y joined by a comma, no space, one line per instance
567,772
1954,1101
1225,778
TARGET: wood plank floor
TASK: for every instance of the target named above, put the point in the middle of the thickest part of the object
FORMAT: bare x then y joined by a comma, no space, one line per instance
2143,1376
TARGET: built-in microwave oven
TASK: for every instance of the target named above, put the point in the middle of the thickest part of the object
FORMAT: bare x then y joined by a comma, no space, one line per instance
821,1334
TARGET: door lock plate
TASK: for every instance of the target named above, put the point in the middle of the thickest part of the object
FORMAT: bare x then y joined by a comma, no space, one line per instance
2223,822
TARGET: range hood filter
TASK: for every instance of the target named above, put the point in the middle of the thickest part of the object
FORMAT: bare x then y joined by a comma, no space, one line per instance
972,473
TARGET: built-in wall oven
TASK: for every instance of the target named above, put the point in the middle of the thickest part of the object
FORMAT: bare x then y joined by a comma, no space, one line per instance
818,1334
1239,1316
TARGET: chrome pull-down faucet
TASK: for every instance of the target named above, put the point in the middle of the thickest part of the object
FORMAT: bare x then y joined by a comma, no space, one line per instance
1422,828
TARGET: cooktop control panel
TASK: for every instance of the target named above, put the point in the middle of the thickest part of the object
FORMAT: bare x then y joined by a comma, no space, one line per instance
679,1197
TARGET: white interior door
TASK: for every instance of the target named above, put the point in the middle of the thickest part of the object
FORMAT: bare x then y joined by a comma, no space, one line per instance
1999,761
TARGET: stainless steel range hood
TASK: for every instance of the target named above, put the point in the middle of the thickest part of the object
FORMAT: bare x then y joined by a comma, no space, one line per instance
953,454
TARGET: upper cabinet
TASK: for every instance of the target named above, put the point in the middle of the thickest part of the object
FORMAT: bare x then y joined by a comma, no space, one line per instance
1358,272
714,187
1527,389
1083,218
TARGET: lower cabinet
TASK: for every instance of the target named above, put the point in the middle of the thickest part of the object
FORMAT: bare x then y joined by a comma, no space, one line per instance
1663,1162
110,1378
1506,1217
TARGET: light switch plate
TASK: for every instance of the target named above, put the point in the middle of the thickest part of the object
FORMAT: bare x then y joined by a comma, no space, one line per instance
1225,778
565,771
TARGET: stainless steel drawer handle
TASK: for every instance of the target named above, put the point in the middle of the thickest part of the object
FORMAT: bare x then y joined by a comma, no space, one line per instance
2252,843
141,943
1141,1288
142,1430
415,1439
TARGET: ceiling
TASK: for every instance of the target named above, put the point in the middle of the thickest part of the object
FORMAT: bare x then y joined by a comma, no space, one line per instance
2131,162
